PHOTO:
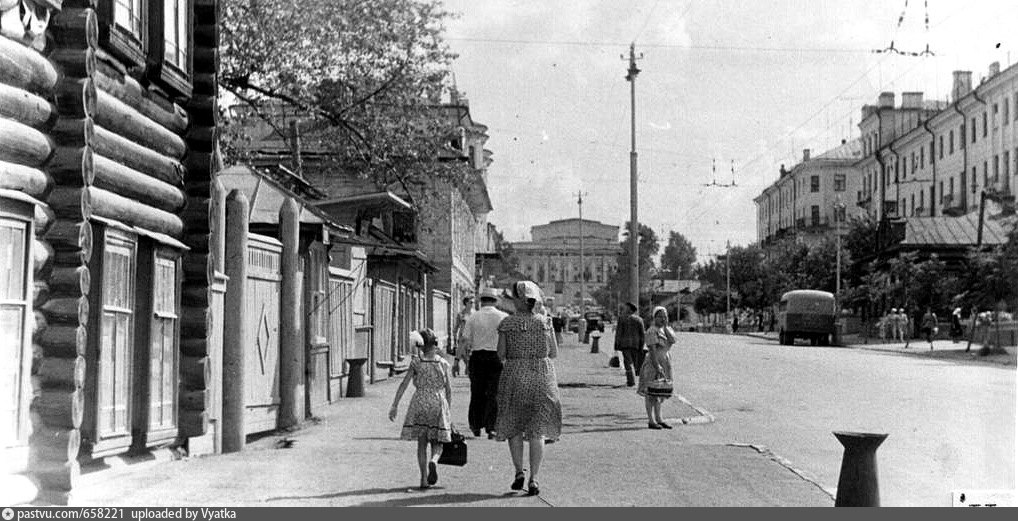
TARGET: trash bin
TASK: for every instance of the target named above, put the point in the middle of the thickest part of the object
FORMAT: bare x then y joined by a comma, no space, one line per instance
582,331
839,333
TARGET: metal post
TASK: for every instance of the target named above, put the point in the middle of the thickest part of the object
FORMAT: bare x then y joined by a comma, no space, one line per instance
583,267
728,283
634,226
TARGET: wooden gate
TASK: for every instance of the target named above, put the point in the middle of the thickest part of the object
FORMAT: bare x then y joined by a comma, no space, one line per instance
341,329
440,317
383,317
261,361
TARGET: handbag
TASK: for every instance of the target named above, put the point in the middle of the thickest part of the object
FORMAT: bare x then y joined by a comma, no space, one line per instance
613,361
659,387
454,452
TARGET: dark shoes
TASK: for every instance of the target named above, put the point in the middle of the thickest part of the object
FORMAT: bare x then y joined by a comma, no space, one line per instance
518,482
432,473
654,426
664,425
532,488
477,432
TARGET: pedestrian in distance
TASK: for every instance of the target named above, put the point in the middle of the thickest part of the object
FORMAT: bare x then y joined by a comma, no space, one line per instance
427,418
629,341
479,339
656,372
956,327
528,401
928,326
735,323
886,324
457,330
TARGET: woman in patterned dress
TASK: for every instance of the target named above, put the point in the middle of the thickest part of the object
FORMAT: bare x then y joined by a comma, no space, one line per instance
657,367
427,416
528,402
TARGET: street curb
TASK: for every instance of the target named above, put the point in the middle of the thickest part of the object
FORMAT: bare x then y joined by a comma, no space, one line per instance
832,493
704,417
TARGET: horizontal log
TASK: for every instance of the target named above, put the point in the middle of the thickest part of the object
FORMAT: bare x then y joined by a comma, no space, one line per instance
117,116
126,152
38,327
197,240
75,63
40,293
204,110
205,83
130,212
60,408
195,296
195,346
130,92
67,311
71,257
42,255
123,180
62,373
194,400
67,235
70,203
32,181
192,315
75,28
206,35
195,373
76,98
26,108
56,445
191,424
72,166
25,68
199,165
73,132
23,144
44,217
70,281
206,58
63,341
56,477
201,138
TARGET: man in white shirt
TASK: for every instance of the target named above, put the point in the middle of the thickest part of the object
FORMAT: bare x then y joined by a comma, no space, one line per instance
480,342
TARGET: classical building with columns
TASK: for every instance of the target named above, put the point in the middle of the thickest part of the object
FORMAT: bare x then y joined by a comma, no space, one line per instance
552,258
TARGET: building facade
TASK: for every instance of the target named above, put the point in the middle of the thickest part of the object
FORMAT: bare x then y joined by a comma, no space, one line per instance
811,197
552,257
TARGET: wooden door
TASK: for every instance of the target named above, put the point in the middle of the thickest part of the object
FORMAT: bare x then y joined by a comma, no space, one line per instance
261,361
383,312
341,332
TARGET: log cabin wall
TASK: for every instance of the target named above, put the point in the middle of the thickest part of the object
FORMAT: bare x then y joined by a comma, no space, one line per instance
115,144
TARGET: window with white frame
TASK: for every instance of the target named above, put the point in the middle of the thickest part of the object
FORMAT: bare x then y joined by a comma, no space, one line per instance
175,37
116,336
162,388
14,307
129,15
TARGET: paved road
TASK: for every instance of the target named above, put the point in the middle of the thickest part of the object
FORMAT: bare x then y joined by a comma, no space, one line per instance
951,423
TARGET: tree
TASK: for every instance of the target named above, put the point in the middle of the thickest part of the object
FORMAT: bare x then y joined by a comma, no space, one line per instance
679,256
362,78
618,282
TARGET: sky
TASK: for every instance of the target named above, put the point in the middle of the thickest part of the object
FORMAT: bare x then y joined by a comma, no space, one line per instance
742,85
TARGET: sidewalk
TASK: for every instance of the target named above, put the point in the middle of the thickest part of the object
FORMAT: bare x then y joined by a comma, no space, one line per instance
352,457
942,349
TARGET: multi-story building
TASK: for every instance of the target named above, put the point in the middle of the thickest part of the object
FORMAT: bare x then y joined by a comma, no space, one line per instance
811,197
552,258
944,155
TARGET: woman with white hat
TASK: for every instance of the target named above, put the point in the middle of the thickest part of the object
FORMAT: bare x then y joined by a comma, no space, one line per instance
528,401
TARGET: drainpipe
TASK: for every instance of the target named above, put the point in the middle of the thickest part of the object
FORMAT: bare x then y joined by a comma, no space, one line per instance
975,94
964,145
897,184
933,164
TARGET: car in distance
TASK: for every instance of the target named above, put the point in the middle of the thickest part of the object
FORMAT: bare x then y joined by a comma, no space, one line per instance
808,314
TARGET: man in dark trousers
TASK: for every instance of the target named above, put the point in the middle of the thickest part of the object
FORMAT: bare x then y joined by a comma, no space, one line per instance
480,344
629,340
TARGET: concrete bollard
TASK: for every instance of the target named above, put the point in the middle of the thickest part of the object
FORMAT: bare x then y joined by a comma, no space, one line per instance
857,483
594,344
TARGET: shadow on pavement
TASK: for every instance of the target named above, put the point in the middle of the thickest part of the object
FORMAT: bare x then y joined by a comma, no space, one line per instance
364,492
434,499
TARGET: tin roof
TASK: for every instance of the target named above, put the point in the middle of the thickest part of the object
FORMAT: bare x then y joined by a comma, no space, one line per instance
952,231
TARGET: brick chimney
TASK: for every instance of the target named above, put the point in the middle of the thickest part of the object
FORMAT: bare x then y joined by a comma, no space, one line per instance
994,70
885,100
911,100
962,84
805,155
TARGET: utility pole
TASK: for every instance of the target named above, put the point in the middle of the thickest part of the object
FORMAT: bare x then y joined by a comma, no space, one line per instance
583,266
634,226
728,283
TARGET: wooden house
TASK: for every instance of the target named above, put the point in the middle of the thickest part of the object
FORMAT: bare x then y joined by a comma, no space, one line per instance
107,213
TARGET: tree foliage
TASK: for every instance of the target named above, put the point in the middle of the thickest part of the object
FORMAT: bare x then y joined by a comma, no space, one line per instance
363,76
618,282
679,257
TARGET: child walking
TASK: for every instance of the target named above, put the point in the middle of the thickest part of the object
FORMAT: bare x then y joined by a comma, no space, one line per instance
427,417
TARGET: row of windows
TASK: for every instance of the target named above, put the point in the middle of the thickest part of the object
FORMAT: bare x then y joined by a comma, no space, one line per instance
152,33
